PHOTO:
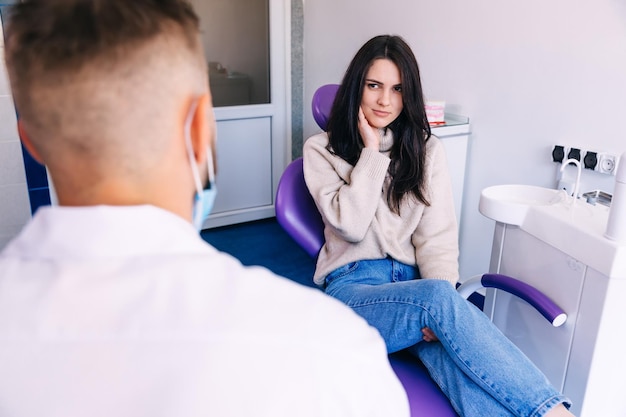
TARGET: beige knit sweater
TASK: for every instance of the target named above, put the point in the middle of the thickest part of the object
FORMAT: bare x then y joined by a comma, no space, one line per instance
358,222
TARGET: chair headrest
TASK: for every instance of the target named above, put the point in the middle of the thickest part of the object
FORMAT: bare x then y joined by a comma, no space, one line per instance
322,103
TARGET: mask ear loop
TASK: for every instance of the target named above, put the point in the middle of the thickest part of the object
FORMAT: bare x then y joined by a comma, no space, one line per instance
187,133
210,166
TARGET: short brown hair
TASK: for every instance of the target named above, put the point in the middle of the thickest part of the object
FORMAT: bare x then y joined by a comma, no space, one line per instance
66,33
62,55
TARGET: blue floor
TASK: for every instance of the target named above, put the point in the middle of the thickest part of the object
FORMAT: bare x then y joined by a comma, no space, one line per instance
264,243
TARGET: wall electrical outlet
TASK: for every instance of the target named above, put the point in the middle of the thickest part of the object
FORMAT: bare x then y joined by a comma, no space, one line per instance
574,153
591,160
600,161
558,153
606,163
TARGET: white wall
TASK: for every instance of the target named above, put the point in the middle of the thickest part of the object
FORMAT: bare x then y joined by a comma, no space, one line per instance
529,75
14,203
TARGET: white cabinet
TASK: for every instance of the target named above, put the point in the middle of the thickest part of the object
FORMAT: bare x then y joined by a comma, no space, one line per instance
560,249
551,271
455,137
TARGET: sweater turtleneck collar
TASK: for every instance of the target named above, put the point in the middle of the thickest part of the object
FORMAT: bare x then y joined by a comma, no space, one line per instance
386,139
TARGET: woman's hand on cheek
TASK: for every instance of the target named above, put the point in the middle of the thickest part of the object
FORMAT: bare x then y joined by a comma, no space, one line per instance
369,134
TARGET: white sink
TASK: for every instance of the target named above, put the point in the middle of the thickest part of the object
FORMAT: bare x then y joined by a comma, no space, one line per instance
509,203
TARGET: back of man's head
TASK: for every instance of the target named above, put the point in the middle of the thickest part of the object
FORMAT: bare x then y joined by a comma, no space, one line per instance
103,80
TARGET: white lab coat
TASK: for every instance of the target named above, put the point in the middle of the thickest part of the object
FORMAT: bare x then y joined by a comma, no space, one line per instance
126,311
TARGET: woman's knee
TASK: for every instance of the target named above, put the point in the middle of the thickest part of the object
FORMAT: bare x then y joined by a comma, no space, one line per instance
439,286
440,291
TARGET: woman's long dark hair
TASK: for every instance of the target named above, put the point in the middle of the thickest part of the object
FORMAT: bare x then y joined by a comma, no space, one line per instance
410,130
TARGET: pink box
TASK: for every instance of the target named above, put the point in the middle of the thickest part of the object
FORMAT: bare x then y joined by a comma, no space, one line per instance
435,112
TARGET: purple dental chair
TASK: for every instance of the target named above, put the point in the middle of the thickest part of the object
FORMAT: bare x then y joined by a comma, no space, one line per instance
297,214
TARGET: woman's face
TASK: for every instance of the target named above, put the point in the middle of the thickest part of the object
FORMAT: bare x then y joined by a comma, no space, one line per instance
382,93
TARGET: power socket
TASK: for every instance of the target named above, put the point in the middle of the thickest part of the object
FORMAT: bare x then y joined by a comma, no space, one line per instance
606,163
574,153
558,153
599,161
591,160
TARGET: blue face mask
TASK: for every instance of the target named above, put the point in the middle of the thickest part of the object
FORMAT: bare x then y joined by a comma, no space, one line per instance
205,196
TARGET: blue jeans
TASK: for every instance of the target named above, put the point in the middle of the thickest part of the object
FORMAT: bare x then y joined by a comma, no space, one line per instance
476,366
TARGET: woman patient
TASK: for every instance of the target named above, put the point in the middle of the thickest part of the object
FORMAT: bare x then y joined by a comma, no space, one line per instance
381,183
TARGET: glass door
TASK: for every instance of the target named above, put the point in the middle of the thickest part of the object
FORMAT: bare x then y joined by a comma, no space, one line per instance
247,47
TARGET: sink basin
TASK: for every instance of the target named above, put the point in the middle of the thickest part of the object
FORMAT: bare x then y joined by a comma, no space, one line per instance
509,203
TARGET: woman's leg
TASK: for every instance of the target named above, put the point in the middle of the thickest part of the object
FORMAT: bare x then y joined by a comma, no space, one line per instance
399,309
467,397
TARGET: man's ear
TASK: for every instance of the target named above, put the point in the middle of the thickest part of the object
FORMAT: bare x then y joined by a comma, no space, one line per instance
201,130
27,142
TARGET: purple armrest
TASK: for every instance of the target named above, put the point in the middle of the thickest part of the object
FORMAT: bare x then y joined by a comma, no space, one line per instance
541,302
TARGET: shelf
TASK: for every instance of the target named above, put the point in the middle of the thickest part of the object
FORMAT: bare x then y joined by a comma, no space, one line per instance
454,125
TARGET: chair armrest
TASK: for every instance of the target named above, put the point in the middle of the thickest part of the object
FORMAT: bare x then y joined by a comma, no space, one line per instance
541,302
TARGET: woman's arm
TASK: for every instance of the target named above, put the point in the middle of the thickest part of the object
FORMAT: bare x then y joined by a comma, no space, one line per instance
346,196
436,237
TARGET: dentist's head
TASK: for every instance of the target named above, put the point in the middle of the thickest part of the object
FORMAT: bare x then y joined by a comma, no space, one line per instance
113,98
